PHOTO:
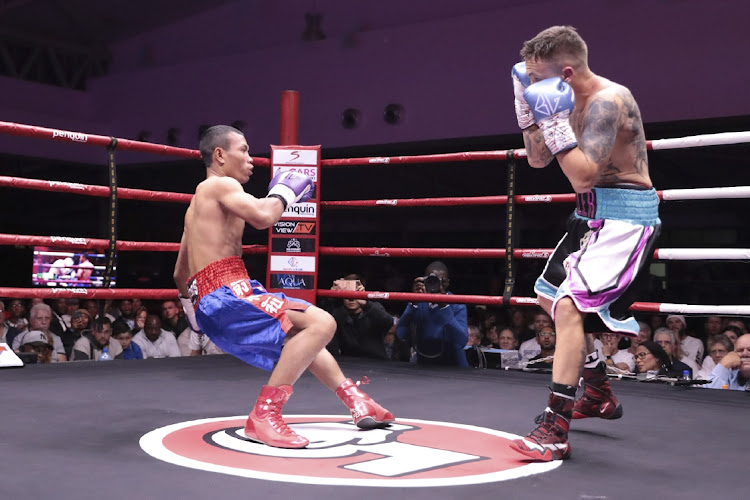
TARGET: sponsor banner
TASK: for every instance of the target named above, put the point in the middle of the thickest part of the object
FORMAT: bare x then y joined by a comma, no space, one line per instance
294,227
304,210
545,198
311,172
294,157
293,245
293,281
292,263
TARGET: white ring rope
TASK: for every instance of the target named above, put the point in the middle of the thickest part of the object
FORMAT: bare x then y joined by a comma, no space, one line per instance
705,310
706,193
696,141
702,254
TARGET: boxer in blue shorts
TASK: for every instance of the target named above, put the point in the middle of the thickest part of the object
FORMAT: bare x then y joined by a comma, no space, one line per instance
271,331
593,127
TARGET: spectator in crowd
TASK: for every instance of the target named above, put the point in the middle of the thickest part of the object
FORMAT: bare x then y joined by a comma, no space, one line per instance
171,320
93,307
644,334
200,344
718,346
616,359
17,318
733,371
140,320
130,350
396,349
547,340
156,342
508,340
71,306
57,325
7,332
667,339
93,342
531,348
361,324
492,338
438,332
732,333
691,346
519,323
657,320
738,322
127,314
79,323
489,319
712,326
40,317
36,341
475,336
652,359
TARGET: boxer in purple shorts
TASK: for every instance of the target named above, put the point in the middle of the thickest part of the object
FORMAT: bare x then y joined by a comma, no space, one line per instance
593,127
271,331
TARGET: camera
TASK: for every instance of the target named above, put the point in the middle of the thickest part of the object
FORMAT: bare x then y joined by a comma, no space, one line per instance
432,283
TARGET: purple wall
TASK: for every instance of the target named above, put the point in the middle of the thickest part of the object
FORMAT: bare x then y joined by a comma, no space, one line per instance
447,62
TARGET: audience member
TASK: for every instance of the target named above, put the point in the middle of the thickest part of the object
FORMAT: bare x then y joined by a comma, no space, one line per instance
691,346
508,340
79,323
130,350
7,332
475,336
93,307
36,341
437,332
171,320
718,346
17,318
738,322
644,334
652,359
712,326
39,319
733,371
491,338
57,325
519,323
616,359
93,342
140,320
666,338
127,314
732,333
361,324
396,349
547,340
156,342
71,306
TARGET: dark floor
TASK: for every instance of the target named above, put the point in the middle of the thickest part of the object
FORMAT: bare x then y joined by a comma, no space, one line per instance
72,431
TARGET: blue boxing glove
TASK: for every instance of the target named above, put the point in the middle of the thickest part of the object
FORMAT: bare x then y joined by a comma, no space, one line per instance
551,102
291,187
520,82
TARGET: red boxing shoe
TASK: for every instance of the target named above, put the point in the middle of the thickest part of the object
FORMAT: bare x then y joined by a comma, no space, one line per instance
598,400
367,414
265,423
549,441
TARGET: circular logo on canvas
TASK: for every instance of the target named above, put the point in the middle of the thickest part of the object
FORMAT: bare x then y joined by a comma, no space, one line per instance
409,453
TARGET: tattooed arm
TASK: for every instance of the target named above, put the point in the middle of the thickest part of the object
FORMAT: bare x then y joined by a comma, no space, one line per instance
596,130
537,153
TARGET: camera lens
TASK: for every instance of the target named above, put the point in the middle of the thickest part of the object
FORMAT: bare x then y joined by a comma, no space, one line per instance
432,284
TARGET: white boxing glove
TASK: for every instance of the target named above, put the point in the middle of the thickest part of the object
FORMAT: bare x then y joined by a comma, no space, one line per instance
521,81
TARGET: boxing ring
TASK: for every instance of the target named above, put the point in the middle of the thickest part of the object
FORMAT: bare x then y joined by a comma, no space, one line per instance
88,420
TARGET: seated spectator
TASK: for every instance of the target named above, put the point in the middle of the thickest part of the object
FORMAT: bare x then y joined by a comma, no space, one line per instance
718,346
712,325
93,342
437,332
475,336
156,342
733,371
40,317
57,325
36,341
71,306
651,359
80,322
508,340
140,320
17,318
619,359
691,346
7,332
361,324
171,320
665,337
530,349
644,334
519,323
738,322
127,314
121,333
547,341
732,332
492,338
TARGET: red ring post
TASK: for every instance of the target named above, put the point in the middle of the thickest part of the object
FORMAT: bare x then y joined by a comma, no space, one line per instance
289,117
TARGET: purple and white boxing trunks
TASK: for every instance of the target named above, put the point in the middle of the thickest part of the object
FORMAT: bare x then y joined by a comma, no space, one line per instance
239,315
609,243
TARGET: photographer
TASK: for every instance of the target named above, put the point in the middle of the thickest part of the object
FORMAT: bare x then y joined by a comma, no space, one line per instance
437,332
361,325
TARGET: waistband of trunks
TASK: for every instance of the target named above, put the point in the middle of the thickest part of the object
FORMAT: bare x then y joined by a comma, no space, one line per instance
215,275
639,206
